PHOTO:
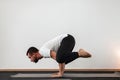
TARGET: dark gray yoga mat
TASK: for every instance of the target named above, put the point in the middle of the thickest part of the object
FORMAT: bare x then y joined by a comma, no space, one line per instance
69,75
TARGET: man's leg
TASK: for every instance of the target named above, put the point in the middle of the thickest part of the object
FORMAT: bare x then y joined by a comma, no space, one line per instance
74,55
65,54
71,57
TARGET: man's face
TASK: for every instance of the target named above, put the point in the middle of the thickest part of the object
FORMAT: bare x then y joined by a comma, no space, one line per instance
33,57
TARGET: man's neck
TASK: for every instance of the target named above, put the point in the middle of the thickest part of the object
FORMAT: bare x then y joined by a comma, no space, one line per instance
39,56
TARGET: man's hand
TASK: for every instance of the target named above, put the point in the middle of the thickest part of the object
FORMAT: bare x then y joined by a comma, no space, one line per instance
61,70
57,74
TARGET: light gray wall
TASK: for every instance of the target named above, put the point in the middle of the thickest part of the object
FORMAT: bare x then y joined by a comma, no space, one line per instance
94,23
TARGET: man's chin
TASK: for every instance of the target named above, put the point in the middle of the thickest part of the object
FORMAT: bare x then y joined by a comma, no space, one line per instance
36,61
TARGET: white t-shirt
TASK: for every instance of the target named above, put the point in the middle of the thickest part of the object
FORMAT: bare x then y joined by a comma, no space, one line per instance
51,45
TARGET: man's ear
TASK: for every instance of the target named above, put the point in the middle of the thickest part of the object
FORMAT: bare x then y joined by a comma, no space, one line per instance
35,54
31,54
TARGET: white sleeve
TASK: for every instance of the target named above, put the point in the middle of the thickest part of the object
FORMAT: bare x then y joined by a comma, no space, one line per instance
45,52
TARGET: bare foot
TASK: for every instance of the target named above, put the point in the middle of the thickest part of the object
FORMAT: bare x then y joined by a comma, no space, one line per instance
83,53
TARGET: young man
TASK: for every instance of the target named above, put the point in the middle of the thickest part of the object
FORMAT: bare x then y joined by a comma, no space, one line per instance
60,49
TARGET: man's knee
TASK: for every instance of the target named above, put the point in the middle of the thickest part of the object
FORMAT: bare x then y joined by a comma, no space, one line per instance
60,60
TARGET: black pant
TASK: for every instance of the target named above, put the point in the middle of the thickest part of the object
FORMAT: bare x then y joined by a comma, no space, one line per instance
65,54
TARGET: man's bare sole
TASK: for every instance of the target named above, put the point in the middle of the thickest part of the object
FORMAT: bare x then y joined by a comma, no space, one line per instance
83,53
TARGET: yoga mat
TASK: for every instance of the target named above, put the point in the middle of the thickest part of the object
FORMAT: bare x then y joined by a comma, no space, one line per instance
68,75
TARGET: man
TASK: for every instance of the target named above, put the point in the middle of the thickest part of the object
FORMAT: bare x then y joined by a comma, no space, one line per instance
60,49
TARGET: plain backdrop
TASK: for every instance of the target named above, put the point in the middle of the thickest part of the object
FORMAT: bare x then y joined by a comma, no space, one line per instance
95,24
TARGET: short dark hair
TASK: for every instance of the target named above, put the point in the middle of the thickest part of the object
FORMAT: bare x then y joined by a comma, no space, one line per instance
32,50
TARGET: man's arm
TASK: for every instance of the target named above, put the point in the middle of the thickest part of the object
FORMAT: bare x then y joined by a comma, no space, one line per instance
61,68
61,65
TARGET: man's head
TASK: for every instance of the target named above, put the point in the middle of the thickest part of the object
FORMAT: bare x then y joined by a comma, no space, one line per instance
33,54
